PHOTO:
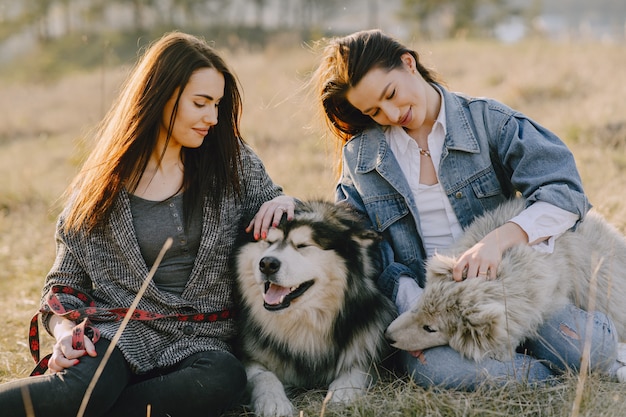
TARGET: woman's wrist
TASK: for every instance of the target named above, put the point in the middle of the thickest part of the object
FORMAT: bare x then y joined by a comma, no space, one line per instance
61,327
509,235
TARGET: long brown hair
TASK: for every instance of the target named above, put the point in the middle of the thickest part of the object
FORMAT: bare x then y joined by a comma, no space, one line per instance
127,135
344,62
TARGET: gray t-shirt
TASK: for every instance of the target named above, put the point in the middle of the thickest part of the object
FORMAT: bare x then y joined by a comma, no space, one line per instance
154,222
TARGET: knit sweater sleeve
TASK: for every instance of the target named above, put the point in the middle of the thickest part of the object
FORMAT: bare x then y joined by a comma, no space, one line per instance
258,187
66,270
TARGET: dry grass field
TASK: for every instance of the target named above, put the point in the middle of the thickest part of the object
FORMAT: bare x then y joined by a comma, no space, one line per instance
576,90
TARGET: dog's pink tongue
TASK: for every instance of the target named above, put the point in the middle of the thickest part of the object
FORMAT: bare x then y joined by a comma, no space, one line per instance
415,353
274,294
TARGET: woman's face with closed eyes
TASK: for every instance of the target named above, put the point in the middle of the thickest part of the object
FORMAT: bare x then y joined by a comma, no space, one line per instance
400,97
197,109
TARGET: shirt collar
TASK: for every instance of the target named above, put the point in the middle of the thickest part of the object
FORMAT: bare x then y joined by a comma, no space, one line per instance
441,117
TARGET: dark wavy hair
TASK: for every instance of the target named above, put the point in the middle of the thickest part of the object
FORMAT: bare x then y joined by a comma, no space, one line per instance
128,134
344,62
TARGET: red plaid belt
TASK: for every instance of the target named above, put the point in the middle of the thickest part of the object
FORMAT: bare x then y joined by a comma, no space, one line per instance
86,315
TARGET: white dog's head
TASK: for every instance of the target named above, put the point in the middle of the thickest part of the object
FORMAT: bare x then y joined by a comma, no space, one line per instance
461,314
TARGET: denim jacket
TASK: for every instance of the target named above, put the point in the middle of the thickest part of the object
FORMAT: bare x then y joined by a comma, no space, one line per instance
490,154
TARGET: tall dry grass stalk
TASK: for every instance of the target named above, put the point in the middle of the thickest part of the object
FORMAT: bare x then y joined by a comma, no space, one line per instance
584,365
327,398
105,359
28,402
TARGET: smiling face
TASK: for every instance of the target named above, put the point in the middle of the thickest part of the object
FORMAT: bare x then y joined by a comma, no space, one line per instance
397,97
197,109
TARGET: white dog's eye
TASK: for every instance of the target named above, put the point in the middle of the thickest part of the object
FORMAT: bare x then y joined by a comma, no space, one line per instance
302,245
429,329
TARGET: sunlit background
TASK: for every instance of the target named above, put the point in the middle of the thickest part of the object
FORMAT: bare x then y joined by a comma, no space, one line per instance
29,24
561,62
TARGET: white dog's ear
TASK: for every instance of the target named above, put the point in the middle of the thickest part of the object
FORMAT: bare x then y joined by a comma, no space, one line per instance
440,267
481,331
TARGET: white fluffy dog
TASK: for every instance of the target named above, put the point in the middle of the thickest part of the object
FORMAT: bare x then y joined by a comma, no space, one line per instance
481,318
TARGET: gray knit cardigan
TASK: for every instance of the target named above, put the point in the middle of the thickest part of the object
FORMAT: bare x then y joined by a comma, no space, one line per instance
108,265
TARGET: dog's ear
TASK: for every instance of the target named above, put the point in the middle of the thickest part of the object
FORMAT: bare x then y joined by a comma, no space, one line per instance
369,237
482,331
439,267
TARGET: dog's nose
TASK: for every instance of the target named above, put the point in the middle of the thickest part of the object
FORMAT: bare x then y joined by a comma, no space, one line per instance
269,265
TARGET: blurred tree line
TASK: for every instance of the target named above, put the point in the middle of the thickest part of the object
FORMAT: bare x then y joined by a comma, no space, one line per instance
63,35
453,18
51,19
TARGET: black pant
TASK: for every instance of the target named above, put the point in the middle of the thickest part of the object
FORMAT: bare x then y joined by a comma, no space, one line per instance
204,384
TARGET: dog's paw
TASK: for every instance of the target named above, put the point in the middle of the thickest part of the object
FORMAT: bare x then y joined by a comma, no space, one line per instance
345,395
350,385
267,395
273,405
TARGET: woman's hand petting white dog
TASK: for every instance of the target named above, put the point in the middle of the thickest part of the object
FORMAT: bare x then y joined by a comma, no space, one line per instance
482,259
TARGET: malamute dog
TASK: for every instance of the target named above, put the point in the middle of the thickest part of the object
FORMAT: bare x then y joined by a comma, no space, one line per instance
480,318
312,315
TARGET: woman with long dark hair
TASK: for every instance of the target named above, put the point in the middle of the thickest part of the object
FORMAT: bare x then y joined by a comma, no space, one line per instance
169,162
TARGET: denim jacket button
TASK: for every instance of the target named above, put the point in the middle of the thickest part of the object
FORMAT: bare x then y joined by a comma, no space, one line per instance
458,194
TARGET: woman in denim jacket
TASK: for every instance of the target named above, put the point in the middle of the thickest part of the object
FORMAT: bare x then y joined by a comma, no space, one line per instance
169,161
421,163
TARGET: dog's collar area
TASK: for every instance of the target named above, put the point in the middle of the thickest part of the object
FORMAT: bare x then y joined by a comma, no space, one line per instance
276,297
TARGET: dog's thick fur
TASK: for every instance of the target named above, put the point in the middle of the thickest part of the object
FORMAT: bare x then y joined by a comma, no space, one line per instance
481,318
312,315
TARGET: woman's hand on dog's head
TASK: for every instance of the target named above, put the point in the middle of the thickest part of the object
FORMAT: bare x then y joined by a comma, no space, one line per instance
269,214
482,259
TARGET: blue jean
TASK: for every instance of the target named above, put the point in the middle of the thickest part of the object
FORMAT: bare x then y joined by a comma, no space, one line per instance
559,347
204,384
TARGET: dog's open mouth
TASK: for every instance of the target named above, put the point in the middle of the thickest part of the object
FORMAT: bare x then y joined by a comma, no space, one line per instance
277,297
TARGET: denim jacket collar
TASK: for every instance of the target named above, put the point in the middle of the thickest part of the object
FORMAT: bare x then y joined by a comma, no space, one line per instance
459,135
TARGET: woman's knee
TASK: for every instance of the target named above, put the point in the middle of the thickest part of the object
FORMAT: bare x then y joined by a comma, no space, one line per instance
225,374
604,342
62,393
571,333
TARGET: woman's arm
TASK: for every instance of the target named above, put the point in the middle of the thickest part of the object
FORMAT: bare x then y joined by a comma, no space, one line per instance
543,222
67,271
540,165
543,169
264,199
390,270
63,353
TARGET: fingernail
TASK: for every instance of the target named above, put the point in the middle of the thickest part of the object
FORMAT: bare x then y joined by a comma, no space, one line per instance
256,236
264,235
